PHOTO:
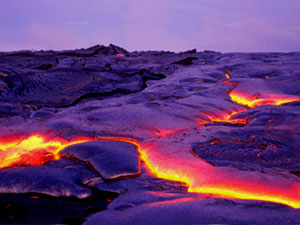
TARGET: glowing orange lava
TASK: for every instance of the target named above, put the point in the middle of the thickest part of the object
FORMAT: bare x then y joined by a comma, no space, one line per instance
224,118
258,100
230,83
227,75
210,180
32,151
198,175
203,178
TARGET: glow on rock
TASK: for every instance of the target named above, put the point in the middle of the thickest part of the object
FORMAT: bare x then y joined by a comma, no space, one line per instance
198,175
227,75
203,178
258,100
224,117
33,150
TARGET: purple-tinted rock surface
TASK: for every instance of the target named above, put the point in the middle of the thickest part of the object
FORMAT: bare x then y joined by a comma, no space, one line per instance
178,108
61,178
110,159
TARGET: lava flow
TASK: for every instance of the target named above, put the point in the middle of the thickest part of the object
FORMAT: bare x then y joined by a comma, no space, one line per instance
224,118
33,150
251,102
203,178
198,175
258,100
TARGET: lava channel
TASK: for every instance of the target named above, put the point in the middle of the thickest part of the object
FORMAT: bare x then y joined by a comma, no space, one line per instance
250,101
261,99
224,117
206,179
202,177
198,175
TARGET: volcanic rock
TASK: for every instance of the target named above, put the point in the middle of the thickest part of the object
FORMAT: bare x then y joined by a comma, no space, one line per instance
191,210
140,184
249,147
62,178
212,129
110,159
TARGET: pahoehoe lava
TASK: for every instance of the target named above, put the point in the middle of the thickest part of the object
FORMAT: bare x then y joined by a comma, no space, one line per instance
120,137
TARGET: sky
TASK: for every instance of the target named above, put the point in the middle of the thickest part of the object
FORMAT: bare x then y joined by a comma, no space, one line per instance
175,25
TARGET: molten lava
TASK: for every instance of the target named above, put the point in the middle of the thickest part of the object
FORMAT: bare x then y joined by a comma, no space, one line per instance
32,151
198,175
224,118
227,75
230,83
258,100
203,178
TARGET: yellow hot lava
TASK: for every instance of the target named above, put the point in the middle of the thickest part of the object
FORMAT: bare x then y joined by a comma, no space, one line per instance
227,75
203,178
250,101
198,175
226,117
258,100
32,151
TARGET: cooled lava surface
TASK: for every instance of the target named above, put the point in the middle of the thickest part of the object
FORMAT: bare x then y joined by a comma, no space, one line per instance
152,137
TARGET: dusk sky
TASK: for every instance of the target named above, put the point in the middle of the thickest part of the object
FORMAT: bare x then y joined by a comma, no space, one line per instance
177,25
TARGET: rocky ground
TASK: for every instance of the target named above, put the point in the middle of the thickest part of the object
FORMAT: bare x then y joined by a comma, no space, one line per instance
106,136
